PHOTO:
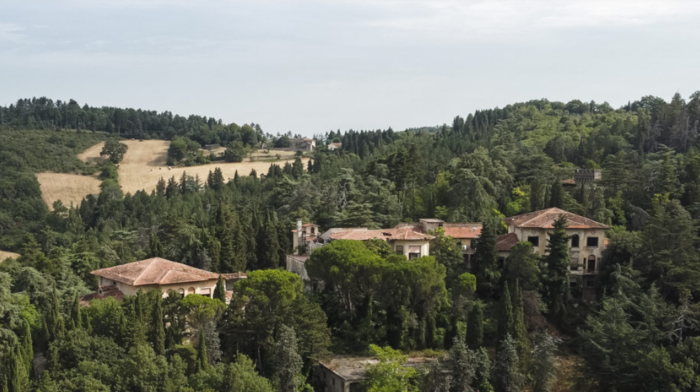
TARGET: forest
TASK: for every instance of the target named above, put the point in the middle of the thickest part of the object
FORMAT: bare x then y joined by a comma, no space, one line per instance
488,327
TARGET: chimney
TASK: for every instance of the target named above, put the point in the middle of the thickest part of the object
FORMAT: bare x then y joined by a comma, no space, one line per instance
299,236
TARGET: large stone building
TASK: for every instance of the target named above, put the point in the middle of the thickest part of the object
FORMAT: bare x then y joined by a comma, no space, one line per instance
160,274
463,233
586,240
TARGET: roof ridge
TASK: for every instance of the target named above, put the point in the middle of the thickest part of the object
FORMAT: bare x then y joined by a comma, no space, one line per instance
152,260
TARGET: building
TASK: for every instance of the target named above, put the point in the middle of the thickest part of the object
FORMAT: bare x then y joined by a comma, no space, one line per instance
463,233
302,143
345,374
335,146
160,274
583,176
587,240
304,236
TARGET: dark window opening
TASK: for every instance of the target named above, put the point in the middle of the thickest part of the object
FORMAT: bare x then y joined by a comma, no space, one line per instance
501,262
590,283
535,241
591,263
574,241
592,241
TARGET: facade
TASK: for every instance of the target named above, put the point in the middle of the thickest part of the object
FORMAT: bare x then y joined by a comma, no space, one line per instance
463,233
335,146
346,374
587,240
160,274
302,143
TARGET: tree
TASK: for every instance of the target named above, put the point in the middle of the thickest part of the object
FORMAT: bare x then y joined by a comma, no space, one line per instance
544,363
475,326
242,377
519,331
522,264
485,260
155,247
202,361
389,374
76,320
18,375
505,315
557,273
506,375
447,252
462,367
54,324
482,367
220,290
27,349
436,379
288,362
157,326
114,150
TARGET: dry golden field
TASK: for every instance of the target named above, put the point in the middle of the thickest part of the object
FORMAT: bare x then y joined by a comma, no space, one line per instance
7,255
145,163
69,188
92,154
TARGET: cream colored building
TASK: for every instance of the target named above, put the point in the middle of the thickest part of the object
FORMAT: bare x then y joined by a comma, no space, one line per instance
156,273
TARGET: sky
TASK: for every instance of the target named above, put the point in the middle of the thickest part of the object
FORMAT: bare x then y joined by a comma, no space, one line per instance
319,65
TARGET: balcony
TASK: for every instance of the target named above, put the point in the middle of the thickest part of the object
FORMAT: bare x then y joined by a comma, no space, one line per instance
576,269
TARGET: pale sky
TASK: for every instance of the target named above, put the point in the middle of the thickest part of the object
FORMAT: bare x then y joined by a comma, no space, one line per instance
313,66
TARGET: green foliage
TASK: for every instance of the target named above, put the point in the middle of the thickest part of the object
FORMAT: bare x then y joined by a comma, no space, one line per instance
475,327
506,373
389,375
485,261
114,150
288,362
544,363
522,264
220,290
242,377
557,271
506,322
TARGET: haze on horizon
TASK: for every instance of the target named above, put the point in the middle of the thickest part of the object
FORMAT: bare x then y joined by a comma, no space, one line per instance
313,66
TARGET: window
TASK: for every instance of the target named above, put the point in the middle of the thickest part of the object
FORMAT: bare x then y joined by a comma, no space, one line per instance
181,291
590,283
574,241
591,264
592,241
205,292
413,252
399,249
190,291
535,241
501,262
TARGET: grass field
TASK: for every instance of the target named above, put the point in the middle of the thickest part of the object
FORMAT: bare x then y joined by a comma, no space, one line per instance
92,154
145,163
69,188
7,255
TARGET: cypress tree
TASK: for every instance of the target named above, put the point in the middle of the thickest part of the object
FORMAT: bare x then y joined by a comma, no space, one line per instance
506,375
268,246
288,360
462,367
46,384
485,260
475,327
556,198
28,349
54,324
155,248
157,327
4,386
557,260
482,369
519,332
202,361
76,320
220,290
505,315
17,371
544,363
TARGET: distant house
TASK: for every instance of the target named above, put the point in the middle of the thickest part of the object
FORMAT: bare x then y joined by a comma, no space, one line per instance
586,240
302,143
335,146
583,176
464,233
157,273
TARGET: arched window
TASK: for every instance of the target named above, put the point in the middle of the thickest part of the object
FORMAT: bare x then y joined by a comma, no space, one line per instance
574,241
190,291
591,264
181,291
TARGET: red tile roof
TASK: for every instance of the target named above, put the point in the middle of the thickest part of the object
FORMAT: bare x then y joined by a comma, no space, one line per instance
155,271
505,242
407,234
235,276
544,219
105,292
462,230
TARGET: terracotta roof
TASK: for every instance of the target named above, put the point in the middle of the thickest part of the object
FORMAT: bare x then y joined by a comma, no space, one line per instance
505,242
432,220
155,271
309,224
462,230
385,234
106,291
235,276
544,219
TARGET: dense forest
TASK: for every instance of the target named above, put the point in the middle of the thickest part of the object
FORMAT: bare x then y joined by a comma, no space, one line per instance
503,329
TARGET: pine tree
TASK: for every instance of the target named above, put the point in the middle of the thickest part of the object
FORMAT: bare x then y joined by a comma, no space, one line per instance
76,320
506,375
46,384
519,331
544,363
557,261
475,327
482,367
288,361
54,324
202,361
436,380
462,367
155,248
220,290
158,327
505,315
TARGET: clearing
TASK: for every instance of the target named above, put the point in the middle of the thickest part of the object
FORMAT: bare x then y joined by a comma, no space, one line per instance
144,163
92,154
69,188
7,255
